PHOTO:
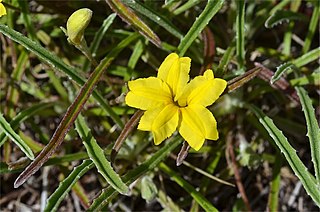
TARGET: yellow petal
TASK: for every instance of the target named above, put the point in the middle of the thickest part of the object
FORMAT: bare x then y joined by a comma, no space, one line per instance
164,123
148,118
197,124
2,10
147,93
203,90
175,72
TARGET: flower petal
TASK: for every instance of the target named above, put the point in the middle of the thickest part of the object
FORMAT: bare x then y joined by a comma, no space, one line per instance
197,124
148,118
147,93
161,121
175,72
165,123
203,90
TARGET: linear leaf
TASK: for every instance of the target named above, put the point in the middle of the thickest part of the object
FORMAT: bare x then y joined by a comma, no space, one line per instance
240,35
186,6
273,199
72,112
56,63
134,174
98,37
314,79
300,170
5,126
198,197
65,186
201,22
314,22
313,130
154,16
307,58
131,18
280,71
96,154
23,115
281,16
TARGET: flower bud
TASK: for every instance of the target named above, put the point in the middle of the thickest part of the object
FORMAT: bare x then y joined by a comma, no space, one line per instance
77,23
2,9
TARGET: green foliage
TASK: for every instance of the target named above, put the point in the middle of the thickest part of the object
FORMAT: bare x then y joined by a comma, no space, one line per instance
268,49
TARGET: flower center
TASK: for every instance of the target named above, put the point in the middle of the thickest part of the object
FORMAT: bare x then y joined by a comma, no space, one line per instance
177,103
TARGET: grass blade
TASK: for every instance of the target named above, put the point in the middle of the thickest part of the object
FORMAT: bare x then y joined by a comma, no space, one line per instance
5,126
314,79
72,113
307,58
56,63
131,18
240,33
65,186
186,6
23,115
201,22
154,16
201,200
134,174
223,64
96,154
300,170
314,22
273,199
313,130
98,37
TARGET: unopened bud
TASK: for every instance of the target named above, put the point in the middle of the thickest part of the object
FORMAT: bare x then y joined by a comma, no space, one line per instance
77,23
2,9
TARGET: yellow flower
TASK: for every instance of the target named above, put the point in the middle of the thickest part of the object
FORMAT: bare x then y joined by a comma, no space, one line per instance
171,103
2,9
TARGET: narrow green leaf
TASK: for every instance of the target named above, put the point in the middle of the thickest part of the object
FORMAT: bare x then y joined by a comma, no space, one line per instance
27,19
7,129
200,23
23,115
154,16
134,174
280,71
65,186
96,154
101,32
67,158
314,22
307,58
56,63
131,18
72,113
281,16
300,170
273,199
223,64
314,79
98,37
198,197
16,76
186,6
240,35
313,130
